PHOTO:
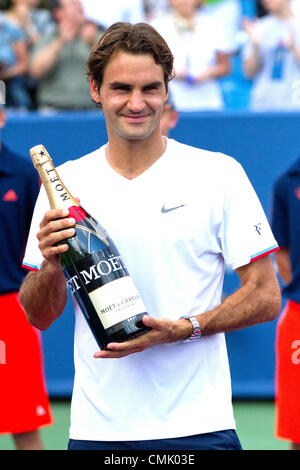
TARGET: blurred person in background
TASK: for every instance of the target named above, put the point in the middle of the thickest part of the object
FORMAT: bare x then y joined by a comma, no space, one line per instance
201,55
35,22
261,11
155,8
169,117
24,403
286,228
107,13
13,63
272,58
59,59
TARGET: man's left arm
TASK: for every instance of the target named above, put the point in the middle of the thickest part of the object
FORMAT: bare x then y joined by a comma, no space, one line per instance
258,300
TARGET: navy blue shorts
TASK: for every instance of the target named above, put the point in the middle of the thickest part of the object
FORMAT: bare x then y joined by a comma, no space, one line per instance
219,440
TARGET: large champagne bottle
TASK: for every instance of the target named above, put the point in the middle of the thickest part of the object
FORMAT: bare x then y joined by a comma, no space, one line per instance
93,267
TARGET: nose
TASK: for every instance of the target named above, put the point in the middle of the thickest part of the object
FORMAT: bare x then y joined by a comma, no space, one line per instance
136,102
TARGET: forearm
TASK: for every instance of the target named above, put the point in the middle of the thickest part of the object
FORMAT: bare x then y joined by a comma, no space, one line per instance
252,64
43,295
44,60
217,71
13,71
248,306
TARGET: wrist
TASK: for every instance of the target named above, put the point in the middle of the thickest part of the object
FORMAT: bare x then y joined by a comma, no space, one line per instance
51,271
194,329
186,328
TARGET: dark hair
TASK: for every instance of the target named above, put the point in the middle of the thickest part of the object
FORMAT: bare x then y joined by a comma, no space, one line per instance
140,38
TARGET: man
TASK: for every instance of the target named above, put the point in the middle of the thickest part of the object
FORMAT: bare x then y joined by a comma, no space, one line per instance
285,224
176,214
24,404
59,59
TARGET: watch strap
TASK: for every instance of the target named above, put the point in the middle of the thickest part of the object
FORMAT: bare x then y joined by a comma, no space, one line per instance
196,333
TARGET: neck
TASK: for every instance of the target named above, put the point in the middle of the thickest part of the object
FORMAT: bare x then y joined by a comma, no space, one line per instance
130,158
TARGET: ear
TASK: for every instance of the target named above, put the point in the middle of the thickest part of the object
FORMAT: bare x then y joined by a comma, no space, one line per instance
94,91
174,117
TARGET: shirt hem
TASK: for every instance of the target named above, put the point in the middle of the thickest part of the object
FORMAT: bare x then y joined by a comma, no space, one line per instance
249,259
30,267
141,436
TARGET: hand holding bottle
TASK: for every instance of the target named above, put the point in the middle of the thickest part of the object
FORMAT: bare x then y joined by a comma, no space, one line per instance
162,331
55,227
73,241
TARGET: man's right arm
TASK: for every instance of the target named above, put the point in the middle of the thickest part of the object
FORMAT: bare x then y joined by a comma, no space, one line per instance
43,293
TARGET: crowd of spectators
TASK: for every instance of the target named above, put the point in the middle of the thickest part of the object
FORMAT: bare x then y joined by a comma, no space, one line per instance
44,45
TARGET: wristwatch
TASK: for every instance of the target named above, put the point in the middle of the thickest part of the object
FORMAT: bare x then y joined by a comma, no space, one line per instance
196,333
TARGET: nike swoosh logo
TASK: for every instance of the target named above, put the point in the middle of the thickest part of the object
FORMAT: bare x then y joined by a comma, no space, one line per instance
164,210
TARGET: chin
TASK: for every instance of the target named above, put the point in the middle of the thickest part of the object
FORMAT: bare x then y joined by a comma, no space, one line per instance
136,135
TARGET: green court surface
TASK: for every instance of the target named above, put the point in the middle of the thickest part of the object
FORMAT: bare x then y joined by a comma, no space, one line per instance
255,427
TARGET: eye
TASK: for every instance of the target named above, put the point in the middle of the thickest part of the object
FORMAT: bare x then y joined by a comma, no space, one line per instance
120,87
123,88
151,88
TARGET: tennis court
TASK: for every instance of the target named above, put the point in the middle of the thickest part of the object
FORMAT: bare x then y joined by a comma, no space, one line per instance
255,426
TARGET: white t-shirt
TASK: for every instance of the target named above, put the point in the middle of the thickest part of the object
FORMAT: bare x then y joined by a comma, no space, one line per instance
106,13
268,92
177,260
194,52
228,13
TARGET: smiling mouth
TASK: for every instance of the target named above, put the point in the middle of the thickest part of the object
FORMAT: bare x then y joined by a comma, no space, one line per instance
135,118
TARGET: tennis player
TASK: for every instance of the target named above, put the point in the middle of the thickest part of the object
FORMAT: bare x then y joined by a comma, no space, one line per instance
178,215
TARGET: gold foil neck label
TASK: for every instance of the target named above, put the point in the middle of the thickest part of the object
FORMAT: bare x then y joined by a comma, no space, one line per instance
58,195
39,155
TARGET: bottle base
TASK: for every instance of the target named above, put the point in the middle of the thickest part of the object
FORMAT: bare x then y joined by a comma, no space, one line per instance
128,329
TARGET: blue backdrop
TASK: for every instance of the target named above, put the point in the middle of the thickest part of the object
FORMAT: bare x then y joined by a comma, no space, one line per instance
265,144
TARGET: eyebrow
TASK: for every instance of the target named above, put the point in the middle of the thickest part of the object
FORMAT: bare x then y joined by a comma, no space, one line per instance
116,84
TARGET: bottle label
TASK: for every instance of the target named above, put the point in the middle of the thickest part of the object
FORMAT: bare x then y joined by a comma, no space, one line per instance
117,301
103,276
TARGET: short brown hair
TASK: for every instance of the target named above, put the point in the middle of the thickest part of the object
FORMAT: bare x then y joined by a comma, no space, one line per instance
140,38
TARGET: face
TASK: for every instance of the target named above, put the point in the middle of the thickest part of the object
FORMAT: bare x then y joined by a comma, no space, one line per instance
132,96
71,9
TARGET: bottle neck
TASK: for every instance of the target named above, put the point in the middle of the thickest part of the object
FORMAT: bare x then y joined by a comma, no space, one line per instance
58,195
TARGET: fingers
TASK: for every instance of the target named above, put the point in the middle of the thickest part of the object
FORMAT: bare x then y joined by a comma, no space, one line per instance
161,332
55,227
